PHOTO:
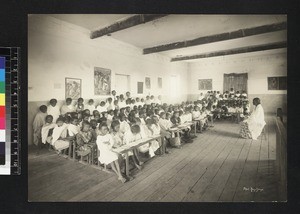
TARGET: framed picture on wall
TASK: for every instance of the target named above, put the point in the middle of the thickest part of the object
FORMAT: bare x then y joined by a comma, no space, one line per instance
147,83
204,84
277,83
102,81
140,87
73,88
159,82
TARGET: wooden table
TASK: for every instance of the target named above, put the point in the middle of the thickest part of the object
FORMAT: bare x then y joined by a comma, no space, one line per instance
126,148
184,126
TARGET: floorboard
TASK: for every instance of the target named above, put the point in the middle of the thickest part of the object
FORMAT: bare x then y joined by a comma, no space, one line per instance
217,166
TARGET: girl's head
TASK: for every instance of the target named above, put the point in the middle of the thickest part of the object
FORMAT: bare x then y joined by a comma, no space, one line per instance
68,101
85,126
85,117
256,101
91,102
102,103
60,121
128,109
95,112
168,115
80,100
180,112
137,99
149,122
122,110
122,117
49,119
103,129
116,112
135,129
176,114
104,114
109,100
74,121
115,125
128,94
111,112
87,112
43,108
67,119
162,115
53,102
113,92
137,121
93,124
116,102
121,97
155,119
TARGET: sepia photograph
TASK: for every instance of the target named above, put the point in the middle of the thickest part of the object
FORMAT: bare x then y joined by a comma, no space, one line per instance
210,128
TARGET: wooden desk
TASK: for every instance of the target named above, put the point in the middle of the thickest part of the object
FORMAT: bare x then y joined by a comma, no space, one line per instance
134,145
184,126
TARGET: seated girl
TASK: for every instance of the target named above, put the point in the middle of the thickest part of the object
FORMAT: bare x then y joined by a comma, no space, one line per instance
196,115
130,136
47,129
73,127
59,140
124,126
105,143
158,131
84,139
149,132
79,106
101,108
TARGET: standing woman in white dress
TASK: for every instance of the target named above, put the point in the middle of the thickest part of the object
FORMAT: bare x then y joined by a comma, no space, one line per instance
254,124
105,143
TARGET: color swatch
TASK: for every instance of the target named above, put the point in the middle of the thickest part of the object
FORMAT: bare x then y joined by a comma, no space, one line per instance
2,110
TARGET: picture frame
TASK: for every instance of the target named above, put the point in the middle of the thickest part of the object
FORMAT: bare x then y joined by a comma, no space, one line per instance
147,82
73,88
204,84
102,81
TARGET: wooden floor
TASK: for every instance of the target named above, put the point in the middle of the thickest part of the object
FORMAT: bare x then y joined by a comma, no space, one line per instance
217,166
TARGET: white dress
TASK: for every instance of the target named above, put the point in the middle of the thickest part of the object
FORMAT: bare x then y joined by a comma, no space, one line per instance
57,133
105,144
54,111
256,121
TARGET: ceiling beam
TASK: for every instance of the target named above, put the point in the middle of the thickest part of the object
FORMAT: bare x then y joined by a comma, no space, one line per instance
218,37
247,49
124,24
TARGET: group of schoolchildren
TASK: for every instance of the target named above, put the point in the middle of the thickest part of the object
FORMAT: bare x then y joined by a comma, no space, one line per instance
121,120
230,104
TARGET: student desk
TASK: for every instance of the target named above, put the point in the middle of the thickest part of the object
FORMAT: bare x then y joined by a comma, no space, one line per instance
184,126
126,148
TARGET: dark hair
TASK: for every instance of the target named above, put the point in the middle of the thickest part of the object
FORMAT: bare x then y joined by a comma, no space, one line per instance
60,119
85,123
135,128
69,99
91,100
114,123
53,100
80,99
256,100
49,116
43,108
102,124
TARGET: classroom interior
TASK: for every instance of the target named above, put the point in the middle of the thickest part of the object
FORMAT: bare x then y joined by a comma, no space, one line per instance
180,50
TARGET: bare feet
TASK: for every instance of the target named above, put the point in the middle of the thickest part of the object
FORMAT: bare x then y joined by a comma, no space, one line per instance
122,179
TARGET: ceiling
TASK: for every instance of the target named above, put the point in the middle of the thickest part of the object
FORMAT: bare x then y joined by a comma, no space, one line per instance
174,28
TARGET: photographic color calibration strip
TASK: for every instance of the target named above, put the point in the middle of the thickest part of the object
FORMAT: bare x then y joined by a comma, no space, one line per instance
9,88
2,111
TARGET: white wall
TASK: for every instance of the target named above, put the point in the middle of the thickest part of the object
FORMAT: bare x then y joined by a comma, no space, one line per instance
59,49
259,67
